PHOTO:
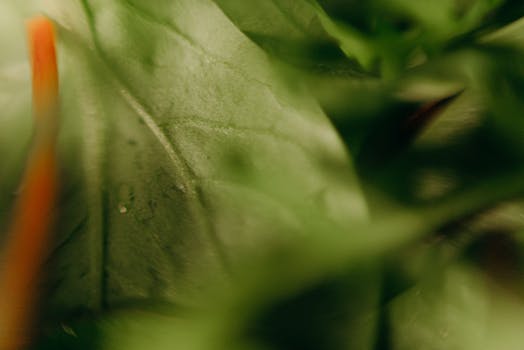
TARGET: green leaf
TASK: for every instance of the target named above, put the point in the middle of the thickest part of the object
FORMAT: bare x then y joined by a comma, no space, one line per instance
292,31
155,107
457,309
208,203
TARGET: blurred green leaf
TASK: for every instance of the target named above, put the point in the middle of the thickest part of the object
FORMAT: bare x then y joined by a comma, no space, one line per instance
291,31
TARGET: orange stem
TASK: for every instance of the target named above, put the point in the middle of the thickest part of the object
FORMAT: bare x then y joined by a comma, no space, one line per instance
32,217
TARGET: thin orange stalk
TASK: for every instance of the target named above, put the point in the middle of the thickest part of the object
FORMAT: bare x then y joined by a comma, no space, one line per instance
32,217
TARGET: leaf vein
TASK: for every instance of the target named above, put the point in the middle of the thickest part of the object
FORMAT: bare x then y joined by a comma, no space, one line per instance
201,50
199,122
185,172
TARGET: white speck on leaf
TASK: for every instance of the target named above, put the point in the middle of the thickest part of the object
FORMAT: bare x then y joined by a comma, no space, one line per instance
122,209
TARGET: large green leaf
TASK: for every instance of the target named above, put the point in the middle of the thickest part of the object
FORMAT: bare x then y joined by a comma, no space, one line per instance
167,120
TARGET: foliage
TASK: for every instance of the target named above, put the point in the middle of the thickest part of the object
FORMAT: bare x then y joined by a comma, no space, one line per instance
279,174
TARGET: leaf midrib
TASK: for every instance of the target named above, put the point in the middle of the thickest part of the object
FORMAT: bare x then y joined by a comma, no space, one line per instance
185,175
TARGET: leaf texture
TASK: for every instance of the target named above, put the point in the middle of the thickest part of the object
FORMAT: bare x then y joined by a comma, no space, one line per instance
159,109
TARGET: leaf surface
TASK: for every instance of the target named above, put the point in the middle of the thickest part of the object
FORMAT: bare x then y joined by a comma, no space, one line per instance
168,122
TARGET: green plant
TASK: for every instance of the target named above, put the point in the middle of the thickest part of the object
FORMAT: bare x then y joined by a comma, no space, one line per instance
278,174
